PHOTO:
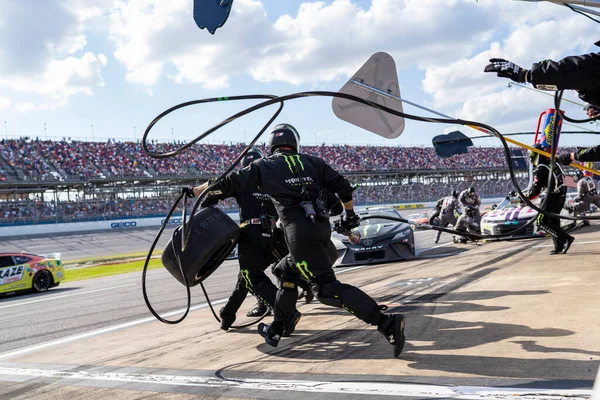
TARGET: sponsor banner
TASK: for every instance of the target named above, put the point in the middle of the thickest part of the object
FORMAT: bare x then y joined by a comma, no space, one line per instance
409,206
11,274
107,225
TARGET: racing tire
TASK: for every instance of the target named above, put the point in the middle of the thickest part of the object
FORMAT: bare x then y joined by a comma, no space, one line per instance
42,281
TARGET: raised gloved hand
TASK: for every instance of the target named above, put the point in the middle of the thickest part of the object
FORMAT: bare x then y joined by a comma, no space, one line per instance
564,159
188,191
506,69
351,221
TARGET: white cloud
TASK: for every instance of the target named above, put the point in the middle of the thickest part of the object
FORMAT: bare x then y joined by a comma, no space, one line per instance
40,52
25,106
5,102
61,78
151,34
323,42
485,97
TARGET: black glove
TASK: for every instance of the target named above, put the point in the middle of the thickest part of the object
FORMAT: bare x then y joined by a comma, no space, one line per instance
350,222
564,159
506,69
188,191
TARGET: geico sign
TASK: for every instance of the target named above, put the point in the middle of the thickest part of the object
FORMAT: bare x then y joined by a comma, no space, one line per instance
128,224
172,221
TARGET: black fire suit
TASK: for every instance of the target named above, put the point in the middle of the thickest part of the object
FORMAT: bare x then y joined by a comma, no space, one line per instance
580,73
291,179
260,244
556,194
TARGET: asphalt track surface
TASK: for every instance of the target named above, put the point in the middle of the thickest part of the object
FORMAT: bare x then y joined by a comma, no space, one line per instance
478,316
86,245
81,306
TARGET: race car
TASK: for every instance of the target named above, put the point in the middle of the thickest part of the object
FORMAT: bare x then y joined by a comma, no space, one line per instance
24,271
381,240
510,214
419,218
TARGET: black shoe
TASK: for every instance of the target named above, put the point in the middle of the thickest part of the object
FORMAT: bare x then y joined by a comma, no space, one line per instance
585,223
290,327
226,320
393,330
259,310
271,338
567,245
555,251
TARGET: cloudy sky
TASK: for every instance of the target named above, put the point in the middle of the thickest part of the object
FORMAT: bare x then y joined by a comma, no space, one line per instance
105,68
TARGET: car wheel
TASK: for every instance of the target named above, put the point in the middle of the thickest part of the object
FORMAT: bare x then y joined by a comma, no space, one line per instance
42,281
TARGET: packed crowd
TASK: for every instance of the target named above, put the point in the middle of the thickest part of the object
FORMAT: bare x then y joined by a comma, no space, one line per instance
45,160
36,210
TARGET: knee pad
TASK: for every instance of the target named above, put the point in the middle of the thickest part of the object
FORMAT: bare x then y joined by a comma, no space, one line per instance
328,293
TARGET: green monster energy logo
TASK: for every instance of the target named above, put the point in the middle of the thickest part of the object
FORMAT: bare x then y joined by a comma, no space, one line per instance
246,275
291,161
366,229
303,268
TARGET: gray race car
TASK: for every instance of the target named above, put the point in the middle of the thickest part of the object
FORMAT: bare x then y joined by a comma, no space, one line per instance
381,240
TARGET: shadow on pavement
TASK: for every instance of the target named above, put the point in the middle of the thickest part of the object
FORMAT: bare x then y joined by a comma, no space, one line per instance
431,340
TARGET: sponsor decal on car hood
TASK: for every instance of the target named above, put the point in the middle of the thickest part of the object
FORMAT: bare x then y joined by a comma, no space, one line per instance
509,214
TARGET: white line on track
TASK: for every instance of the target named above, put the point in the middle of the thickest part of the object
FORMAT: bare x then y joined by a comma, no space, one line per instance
101,331
108,329
306,386
46,299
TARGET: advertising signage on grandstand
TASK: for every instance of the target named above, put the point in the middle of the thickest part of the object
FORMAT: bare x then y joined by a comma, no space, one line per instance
125,224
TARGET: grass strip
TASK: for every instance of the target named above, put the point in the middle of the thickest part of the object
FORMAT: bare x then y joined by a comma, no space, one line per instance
109,270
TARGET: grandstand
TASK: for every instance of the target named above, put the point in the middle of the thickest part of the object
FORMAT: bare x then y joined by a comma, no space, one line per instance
63,181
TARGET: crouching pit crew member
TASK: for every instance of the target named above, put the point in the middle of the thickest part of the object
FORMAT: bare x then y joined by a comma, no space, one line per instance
466,223
556,193
586,194
294,181
260,244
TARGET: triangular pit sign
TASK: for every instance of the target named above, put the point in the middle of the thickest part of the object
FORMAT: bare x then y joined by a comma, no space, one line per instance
377,81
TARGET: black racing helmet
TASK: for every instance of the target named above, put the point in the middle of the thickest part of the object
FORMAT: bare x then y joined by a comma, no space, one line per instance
471,191
253,154
470,211
579,174
284,135
536,158
454,193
